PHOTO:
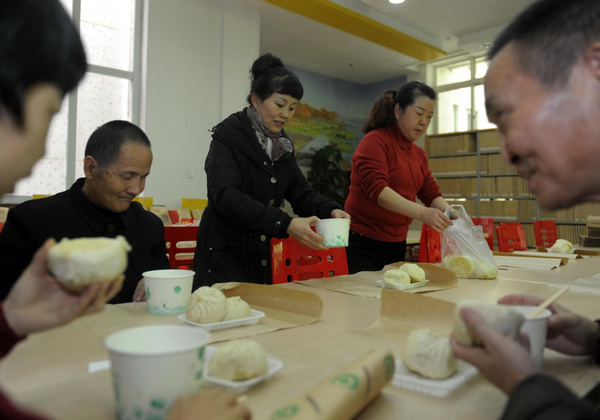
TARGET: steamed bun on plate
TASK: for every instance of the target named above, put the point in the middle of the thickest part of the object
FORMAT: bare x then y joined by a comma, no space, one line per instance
416,273
501,318
429,354
396,277
206,306
561,246
238,360
78,263
236,308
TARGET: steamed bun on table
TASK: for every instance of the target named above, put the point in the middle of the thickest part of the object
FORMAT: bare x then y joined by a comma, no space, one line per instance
561,246
429,354
501,318
238,360
78,263
208,305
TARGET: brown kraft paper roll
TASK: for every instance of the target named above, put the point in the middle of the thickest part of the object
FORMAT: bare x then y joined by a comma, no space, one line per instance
345,393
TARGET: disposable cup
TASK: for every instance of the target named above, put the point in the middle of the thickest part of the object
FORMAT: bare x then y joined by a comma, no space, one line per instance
168,291
335,231
154,365
536,328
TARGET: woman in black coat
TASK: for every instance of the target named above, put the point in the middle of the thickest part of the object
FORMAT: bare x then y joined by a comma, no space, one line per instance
251,168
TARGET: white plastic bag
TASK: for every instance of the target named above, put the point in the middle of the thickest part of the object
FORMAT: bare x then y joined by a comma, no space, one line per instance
464,248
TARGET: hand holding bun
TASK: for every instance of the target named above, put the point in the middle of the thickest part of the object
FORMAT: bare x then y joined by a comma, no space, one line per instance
78,263
238,360
501,318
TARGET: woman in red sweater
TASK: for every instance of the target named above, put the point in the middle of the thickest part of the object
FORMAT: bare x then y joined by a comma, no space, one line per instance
388,172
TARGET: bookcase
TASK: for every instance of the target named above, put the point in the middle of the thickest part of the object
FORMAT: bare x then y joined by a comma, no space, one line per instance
470,171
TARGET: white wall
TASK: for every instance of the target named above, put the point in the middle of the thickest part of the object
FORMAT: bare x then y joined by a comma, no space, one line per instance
199,53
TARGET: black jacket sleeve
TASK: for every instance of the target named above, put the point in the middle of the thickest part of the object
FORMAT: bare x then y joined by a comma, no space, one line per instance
541,397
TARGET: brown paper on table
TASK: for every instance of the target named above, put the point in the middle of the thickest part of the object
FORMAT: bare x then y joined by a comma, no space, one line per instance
563,258
343,394
284,308
527,262
365,282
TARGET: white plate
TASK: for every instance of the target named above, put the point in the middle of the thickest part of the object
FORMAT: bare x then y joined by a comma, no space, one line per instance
403,378
252,319
238,386
381,283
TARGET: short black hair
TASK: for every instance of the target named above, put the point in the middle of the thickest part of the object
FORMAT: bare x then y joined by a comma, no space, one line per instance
550,36
105,143
38,44
269,75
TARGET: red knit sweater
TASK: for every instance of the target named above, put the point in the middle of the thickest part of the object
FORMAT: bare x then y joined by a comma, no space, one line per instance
385,158
8,339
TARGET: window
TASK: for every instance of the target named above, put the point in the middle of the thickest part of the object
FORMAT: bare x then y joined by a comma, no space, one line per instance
111,32
461,100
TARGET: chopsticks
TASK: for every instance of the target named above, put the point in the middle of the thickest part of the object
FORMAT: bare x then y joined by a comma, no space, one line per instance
540,308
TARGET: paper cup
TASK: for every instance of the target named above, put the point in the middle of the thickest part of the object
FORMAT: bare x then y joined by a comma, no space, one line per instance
154,365
168,291
335,231
536,328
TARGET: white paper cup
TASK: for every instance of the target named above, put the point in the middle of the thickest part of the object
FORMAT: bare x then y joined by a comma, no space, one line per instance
168,291
335,231
536,328
154,365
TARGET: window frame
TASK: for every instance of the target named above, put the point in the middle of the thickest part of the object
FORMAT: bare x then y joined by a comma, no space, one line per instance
135,76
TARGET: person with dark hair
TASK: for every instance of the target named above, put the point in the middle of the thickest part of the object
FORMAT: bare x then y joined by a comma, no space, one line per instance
251,168
42,59
388,172
117,161
542,89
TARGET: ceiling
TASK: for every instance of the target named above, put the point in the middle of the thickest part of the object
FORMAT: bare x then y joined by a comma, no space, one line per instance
454,26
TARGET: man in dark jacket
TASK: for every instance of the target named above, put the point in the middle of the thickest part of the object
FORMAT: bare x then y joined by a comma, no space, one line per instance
542,89
117,161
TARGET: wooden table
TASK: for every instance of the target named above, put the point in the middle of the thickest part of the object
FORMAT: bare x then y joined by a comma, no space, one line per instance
49,371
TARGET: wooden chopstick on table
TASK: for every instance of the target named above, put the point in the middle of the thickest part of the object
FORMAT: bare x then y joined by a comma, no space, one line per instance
540,308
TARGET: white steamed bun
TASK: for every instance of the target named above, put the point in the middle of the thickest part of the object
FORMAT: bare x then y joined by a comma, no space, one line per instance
561,246
77,263
429,354
236,308
396,277
206,305
238,360
501,318
466,266
416,273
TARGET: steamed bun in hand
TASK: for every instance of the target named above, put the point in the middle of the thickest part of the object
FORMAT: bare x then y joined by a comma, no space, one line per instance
238,360
78,263
429,354
206,306
501,318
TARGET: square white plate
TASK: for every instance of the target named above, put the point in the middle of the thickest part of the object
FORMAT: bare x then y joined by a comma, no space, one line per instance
238,386
381,283
252,319
403,378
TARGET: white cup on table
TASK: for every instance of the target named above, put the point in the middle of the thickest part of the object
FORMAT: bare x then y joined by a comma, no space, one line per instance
154,365
168,291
